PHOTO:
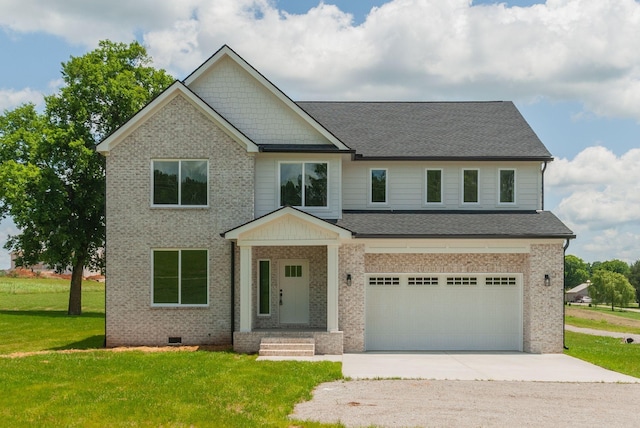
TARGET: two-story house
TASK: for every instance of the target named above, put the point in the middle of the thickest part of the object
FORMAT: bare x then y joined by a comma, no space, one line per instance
235,214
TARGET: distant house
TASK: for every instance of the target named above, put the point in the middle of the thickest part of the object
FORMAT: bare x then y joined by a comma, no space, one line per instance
581,290
42,268
235,214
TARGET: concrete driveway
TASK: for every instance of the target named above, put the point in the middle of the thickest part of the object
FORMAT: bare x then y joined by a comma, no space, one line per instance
508,366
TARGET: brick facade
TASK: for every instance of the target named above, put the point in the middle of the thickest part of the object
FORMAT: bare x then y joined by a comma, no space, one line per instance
134,229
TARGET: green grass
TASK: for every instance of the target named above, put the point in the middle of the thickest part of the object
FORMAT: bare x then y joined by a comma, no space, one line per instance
600,325
99,388
607,352
33,316
102,388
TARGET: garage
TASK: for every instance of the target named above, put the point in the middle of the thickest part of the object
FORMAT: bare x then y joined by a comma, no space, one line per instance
444,312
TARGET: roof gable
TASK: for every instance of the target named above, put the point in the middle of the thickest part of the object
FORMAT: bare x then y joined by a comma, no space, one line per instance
176,89
287,224
254,104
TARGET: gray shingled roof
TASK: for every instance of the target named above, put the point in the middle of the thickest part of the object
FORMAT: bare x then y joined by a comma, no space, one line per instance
452,224
430,130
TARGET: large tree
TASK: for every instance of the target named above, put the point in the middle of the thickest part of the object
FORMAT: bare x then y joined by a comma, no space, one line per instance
634,278
613,266
576,271
612,288
53,179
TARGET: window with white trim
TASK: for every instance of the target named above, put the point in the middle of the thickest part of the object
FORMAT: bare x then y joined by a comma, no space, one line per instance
180,277
433,186
264,287
507,183
384,280
470,186
180,182
304,184
462,280
378,186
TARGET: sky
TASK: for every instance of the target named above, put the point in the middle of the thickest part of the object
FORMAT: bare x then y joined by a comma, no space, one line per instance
572,67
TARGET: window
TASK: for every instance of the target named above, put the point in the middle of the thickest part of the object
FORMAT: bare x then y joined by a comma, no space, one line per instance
433,186
378,186
507,186
470,186
264,287
293,271
180,277
303,184
384,280
180,182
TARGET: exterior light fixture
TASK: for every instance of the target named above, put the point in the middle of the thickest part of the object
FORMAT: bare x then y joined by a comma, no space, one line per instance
349,279
547,279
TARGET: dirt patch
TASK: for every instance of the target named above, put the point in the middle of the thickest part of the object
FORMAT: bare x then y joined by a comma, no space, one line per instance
602,316
207,348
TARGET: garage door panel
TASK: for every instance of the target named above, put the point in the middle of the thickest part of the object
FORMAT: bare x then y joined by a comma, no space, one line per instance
444,317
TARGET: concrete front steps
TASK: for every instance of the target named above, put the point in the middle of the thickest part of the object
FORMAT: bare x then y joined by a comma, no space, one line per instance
287,347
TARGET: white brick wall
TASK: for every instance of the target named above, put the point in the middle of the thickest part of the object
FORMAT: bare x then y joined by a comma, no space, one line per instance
134,229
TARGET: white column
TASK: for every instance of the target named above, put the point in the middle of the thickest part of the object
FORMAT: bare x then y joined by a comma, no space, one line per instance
332,287
245,289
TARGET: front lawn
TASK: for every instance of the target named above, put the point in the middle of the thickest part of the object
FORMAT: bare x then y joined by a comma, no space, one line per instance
607,352
106,388
95,387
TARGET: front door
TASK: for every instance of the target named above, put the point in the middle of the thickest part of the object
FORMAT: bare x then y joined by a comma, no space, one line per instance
294,291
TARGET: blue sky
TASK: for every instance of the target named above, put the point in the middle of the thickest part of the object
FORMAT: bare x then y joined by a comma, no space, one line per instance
571,66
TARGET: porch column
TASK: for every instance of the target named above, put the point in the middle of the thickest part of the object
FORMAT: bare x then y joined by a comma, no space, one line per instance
245,288
332,287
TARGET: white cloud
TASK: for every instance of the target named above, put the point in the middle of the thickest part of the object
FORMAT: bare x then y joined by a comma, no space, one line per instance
600,201
584,50
10,98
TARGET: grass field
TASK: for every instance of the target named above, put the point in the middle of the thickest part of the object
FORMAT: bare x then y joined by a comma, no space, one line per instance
33,315
100,388
95,387
600,318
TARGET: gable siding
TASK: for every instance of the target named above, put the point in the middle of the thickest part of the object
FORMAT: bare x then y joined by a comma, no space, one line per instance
267,179
406,189
259,114
134,229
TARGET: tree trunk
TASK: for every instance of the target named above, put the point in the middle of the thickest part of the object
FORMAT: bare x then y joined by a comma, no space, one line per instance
75,293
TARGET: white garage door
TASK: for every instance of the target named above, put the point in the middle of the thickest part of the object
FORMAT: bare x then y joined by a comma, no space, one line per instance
425,312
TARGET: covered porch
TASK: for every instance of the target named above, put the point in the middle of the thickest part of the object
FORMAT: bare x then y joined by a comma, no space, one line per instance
287,280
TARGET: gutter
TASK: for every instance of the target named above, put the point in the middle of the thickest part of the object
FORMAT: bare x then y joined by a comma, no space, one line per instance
233,289
544,168
564,305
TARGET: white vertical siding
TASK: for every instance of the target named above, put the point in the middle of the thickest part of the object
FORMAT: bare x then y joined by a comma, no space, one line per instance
406,186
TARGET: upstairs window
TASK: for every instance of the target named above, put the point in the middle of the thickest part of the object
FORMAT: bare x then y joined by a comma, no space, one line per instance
303,184
378,186
470,186
507,186
180,182
433,186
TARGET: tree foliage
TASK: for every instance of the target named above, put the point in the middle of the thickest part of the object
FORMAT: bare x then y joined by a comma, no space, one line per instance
634,278
53,180
611,288
613,266
576,271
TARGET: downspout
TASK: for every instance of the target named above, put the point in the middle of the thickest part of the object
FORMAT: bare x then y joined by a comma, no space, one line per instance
564,305
233,289
544,168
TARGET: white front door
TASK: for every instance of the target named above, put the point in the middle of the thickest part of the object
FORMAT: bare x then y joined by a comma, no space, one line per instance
294,291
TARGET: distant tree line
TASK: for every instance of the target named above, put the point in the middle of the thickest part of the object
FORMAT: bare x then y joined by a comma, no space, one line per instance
613,282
